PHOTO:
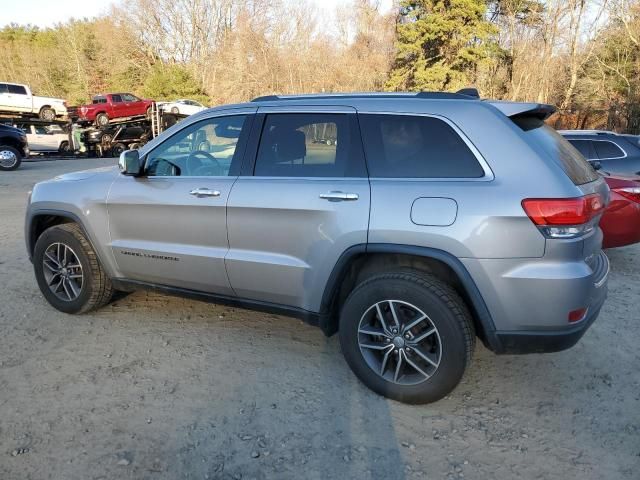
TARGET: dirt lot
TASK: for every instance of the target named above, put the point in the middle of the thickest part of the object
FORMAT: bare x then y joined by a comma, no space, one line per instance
159,387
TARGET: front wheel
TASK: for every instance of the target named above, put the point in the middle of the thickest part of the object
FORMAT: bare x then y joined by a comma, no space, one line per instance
175,110
68,271
407,336
10,158
117,149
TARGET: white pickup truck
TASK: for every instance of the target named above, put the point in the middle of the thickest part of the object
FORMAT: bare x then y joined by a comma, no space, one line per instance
17,98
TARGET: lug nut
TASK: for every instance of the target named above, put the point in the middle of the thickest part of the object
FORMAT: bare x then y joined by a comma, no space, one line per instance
407,336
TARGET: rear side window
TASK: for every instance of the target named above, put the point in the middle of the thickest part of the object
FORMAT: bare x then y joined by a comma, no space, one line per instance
585,147
306,145
17,89
407,146
606,150
558,148
4,88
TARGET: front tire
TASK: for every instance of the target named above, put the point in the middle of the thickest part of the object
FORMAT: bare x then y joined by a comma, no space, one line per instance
68,271
175,110
407,336
10,158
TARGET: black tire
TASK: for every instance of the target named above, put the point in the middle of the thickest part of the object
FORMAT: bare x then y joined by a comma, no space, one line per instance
102,120
117,149
10,158
47,113
64,147
175,110
96,289
446,311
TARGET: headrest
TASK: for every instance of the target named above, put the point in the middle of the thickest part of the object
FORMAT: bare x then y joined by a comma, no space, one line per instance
289,145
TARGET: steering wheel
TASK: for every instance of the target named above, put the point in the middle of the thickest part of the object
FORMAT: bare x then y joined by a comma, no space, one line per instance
196,167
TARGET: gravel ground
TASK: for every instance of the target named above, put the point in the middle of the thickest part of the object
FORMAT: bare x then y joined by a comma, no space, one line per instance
164,388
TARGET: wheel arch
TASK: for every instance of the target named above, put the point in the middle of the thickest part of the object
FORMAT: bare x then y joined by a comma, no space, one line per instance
362,261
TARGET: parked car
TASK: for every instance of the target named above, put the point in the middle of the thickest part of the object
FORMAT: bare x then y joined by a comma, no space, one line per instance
620,222
13,147
17,98
410,236
616,153
183,107
46,139
110,106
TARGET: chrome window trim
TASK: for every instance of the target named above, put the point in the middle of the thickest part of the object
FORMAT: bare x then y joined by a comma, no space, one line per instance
488,173
614,143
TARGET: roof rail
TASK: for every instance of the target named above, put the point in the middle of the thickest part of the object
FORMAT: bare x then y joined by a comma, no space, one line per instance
464,94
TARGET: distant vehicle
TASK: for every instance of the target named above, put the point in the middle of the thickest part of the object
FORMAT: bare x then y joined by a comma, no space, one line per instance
620,222
46,139
105,108
615,152
13,147
17,98
114,139
183,107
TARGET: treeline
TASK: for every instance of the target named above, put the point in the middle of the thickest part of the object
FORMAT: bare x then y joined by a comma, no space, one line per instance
581,55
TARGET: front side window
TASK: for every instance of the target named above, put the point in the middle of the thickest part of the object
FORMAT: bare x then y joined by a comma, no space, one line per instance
607,150
406,146
41,131
17,89
304,145
127,97
204,149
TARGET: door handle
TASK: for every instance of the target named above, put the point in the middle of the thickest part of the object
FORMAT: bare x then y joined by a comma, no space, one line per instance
339,196
204,192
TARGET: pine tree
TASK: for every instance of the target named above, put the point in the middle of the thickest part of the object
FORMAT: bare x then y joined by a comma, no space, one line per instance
439,44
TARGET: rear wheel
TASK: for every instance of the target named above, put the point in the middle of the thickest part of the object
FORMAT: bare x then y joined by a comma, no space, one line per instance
64,147
47,113
117,149
407,336
10,158
174,110
68,271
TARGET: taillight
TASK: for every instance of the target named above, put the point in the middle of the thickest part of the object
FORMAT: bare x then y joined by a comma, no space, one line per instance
564,217
632,193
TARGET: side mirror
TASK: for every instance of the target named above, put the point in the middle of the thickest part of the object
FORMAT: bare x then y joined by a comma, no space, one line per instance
129,163
595,164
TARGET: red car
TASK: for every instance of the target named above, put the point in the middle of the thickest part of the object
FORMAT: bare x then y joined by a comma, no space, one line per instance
109,106
620,222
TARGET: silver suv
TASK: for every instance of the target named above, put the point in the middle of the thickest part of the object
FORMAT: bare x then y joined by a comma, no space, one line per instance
409,223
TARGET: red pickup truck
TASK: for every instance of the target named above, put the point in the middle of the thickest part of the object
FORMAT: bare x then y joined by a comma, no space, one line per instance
109,106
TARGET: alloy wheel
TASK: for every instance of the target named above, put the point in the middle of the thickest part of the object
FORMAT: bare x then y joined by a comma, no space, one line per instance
399,342
8,159
63,271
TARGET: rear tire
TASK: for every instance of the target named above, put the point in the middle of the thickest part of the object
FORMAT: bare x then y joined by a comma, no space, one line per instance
10,158
411,361
64,147
90,291
175,110
117,149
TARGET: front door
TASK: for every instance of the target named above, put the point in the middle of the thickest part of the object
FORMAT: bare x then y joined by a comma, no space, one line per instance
303,201
168,226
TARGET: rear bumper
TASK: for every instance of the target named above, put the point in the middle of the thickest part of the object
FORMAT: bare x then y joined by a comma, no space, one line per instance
546,341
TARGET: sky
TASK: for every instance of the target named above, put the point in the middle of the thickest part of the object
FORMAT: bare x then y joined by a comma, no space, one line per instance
46,13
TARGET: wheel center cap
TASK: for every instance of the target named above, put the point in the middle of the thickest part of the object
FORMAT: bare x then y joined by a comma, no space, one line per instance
398,342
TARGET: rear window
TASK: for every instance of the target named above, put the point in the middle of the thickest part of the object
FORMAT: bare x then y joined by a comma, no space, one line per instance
406,146
99,100
17,89
556,147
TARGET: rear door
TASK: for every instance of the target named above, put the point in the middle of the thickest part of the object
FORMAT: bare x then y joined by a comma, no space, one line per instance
169,226
42,140
20,98
4,98
118,106
300,203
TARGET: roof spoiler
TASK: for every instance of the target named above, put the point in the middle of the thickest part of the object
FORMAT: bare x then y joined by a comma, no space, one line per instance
541,111
469,92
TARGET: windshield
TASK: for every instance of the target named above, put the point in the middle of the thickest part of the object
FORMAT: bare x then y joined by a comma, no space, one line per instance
538,133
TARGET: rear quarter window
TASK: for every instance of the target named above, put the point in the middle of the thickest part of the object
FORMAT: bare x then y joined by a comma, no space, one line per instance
606,150
558,148
411,146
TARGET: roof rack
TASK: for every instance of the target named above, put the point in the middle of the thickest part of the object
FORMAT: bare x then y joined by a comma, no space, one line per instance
464,94
587,132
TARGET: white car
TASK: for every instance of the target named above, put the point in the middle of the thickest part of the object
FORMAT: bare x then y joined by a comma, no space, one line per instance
17,98
183,107
46,139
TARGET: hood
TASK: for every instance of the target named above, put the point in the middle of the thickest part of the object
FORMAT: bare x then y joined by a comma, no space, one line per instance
111,171
8,128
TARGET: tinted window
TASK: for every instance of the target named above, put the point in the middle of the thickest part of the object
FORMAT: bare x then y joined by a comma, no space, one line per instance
130,98
606,150
584,147
17,89
99,100
204,149
116,98
542,136
4,88
305,145
41,131
416,147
